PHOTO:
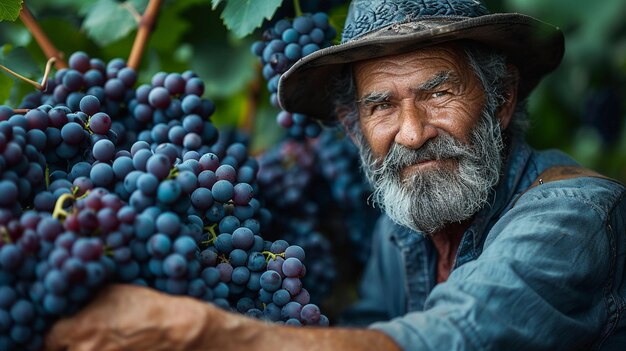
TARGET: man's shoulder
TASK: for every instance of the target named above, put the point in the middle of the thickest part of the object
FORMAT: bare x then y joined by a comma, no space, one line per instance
599,193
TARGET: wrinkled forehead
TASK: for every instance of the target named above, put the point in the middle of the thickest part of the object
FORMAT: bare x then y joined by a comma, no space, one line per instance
421,65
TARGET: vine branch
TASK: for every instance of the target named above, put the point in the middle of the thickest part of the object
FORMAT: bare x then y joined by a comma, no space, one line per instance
146,25
42,39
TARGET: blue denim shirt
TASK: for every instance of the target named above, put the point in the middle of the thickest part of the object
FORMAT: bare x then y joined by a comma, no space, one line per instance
548,273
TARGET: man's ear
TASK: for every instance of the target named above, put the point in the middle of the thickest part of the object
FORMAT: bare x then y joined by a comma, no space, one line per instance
506,110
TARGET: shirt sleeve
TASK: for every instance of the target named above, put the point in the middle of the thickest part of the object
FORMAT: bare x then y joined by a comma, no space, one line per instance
538,283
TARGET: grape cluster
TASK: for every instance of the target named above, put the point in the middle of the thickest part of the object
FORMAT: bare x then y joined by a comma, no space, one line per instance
286,177
318,185
283,44
339,165
47,271
103,183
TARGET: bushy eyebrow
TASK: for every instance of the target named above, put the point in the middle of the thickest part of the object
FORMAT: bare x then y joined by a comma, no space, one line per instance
374,97
437,80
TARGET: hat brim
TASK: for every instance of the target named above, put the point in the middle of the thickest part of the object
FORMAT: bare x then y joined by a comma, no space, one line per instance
535,47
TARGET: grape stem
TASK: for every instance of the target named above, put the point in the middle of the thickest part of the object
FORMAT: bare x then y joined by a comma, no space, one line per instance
146,25
252,101
47,176
272,256
6,238
59,213
211,230
87,127
44,80
297,8
173,173
42,39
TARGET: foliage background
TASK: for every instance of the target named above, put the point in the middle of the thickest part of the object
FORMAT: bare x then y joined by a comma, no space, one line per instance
580,108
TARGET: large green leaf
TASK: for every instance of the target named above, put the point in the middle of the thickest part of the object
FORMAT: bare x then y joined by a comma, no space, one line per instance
66,36
243,16
19,60
223,62
216,3
108,20
10,9
6,83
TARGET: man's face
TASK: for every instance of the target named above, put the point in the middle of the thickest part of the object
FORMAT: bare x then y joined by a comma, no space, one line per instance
433,151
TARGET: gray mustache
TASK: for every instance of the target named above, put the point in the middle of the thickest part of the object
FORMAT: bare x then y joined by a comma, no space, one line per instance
442,147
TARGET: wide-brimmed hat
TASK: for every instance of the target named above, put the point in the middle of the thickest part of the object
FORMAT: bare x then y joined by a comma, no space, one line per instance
377,28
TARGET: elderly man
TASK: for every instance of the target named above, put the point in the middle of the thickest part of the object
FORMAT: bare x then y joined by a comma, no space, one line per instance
487,244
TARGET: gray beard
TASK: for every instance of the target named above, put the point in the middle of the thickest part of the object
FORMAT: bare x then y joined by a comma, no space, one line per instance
428,200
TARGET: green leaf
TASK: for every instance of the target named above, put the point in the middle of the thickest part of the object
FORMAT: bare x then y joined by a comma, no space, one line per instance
226,68
108,21
66,36
6,83
216,3
19,60
10,9
224,63
243,16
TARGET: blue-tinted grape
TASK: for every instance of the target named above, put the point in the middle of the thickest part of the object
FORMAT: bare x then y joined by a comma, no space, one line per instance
103,150
89,104
100,123
222,190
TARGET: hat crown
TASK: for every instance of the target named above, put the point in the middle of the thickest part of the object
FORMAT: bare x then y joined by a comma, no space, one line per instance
366,16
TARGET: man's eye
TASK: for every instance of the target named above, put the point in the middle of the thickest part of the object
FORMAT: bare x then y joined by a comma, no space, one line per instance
438,94
382,106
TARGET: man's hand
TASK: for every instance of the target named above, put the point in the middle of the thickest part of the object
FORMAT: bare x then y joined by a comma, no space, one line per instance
129,318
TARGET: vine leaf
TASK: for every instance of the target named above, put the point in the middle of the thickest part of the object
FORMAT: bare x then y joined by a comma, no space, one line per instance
216,3
6,83
108,21
10,9
243,16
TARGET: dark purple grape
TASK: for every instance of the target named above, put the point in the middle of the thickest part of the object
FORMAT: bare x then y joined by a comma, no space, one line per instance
310,314
100,123
79,61
103,150
159,97
90,105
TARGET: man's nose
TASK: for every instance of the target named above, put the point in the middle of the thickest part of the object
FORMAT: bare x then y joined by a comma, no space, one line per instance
414,129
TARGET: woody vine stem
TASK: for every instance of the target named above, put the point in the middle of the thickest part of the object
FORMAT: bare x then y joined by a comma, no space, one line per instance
146,25
42,39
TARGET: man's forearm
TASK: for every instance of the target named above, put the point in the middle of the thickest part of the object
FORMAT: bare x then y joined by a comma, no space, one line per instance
127,317
242,333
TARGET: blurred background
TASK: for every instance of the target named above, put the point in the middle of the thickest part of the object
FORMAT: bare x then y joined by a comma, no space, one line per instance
580,108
